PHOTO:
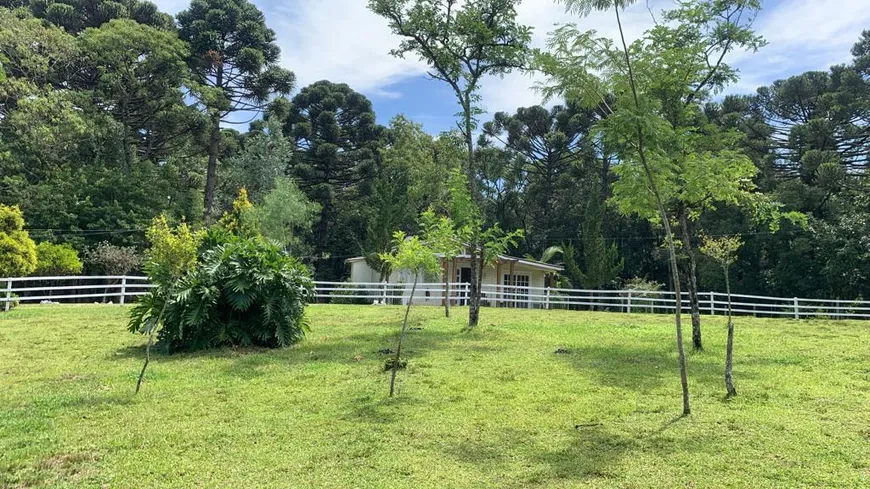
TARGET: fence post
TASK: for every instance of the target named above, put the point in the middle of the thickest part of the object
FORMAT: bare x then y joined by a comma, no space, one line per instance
712,303
123,288
796,309
384,295
8,295
629,302
548,298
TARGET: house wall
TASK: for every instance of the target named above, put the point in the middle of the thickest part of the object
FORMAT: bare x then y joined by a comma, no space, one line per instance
362,273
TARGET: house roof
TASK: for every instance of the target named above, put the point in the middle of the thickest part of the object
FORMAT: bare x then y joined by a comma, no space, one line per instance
548,267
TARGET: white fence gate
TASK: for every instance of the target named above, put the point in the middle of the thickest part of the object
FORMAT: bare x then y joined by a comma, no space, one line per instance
123,288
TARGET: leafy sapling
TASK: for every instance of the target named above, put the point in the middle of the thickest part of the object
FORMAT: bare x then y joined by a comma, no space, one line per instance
444,237
724,252
414,255
172,254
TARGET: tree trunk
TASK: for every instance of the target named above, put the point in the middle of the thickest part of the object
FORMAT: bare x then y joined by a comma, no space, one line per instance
729,348
476,261
672,251
402,337
446,288
692,281
151,339
213,150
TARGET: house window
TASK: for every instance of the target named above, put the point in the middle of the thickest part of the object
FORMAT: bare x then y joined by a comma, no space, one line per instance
519,296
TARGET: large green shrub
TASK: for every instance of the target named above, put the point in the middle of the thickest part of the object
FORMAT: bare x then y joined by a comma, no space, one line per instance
57,259
17,250
109,259
242,291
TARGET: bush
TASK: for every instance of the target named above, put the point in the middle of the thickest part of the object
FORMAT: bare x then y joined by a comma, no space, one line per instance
110,259
17,250
348,289
638,285
243,291
57,259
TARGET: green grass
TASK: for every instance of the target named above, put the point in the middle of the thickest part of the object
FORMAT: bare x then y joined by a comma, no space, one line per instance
492,408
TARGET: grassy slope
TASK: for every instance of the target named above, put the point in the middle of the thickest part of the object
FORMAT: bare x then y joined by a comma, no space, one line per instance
492,408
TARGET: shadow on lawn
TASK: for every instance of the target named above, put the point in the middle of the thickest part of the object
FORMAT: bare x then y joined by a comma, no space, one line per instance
362,349
637,367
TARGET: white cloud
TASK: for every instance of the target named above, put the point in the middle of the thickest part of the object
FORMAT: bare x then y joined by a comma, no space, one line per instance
515,90
342,41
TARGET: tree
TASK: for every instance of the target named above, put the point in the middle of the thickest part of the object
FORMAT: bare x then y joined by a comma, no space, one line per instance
109,259
338,143
443,237
651,91
413,255
724,252
137,72
550,144
17,251
233,58
286,217
461,43
263,158
173,253
76,15
601,262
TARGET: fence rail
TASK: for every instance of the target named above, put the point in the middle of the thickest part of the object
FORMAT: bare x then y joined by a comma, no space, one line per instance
122,288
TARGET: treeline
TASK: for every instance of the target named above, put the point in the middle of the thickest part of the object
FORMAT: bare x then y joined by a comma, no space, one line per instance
112,113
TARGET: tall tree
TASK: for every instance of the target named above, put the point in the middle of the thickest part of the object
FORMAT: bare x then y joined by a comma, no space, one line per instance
136,73
549,144
336,159
75,16
233,57
461,42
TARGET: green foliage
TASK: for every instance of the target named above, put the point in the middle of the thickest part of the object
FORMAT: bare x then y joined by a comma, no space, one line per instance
139,71
442,235
17,251
602,264
242,219
173,252
108,259
286,216
234,60
57,259
412,254
262,159
723,250
339,144
76,15
244,292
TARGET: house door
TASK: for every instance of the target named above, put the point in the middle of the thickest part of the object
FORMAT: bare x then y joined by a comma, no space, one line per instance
463,276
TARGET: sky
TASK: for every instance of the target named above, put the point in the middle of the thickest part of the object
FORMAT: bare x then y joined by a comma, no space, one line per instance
341,41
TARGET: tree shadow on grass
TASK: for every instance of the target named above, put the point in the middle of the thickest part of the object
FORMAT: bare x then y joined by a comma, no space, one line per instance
642,368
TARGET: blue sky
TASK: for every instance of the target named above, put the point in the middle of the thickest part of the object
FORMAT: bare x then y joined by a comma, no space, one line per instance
341,41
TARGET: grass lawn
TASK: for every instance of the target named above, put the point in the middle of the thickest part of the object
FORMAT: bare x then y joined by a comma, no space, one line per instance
492,408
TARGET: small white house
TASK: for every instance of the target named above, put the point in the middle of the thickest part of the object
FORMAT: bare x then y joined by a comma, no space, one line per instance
509,282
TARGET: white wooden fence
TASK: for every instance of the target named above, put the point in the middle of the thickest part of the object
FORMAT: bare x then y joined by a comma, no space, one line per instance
120,289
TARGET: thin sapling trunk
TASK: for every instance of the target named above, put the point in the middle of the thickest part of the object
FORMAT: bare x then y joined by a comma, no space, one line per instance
148,345
672,251
402,337
729,348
